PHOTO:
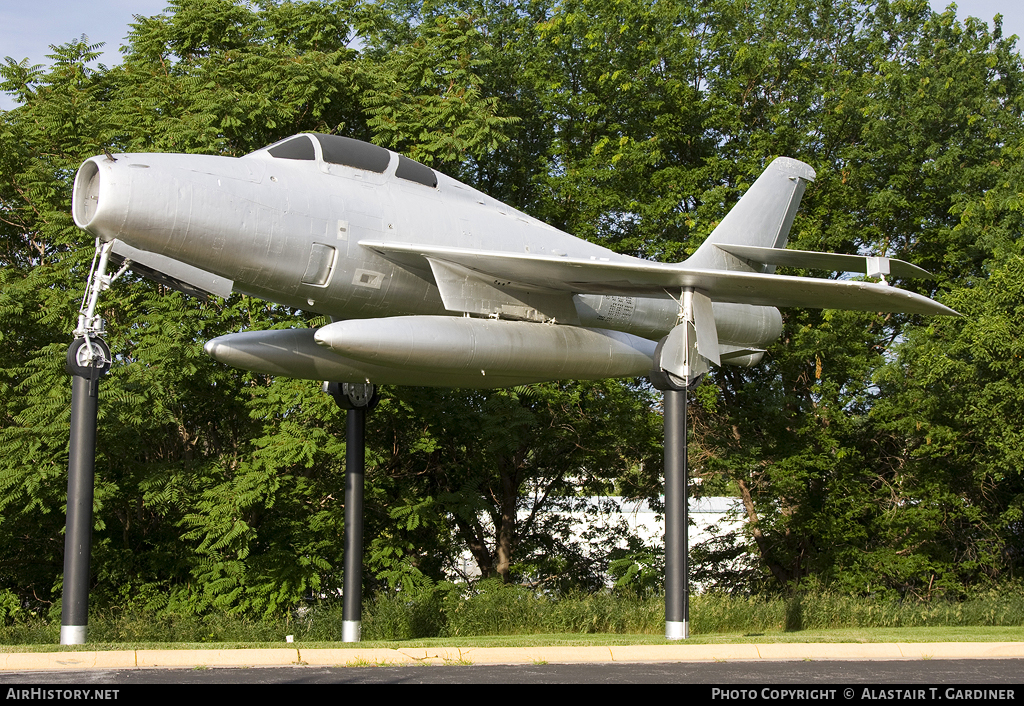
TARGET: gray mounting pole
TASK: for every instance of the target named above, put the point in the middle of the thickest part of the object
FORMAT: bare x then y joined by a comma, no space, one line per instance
355,463
87,360
85,383
357,400
677,580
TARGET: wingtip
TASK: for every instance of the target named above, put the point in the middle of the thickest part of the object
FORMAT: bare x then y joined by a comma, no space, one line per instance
794,167
938,308
932,307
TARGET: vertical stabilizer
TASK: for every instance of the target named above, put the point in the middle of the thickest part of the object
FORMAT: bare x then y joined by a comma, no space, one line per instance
762,217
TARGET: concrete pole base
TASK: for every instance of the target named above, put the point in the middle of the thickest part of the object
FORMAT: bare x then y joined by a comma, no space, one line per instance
73,634
351,630
677,630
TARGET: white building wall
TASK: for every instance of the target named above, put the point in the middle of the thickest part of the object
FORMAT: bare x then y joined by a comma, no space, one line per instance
708,516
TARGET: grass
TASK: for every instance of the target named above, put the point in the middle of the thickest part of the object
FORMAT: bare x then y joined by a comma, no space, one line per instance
848,635
513,613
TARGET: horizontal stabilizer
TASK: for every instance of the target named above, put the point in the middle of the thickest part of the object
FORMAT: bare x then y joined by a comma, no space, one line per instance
810,260
631,276
172,273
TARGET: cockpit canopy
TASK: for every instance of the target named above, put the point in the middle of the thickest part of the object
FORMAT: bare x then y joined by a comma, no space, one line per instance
352,153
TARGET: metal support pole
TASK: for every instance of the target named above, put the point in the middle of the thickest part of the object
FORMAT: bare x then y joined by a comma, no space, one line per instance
357,400
355,459
677,581
87,361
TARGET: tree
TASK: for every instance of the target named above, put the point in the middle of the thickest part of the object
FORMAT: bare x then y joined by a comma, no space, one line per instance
185,482
483,458
908,120
952,414
636,124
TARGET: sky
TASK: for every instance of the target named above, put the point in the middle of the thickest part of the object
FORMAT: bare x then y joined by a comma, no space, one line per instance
27,29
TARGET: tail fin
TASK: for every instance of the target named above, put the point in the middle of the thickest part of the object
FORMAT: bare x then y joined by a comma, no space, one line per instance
762,217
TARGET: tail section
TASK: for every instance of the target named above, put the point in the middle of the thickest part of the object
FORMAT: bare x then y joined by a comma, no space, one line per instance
762,218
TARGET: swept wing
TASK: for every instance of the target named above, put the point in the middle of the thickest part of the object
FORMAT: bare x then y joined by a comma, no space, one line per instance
635,277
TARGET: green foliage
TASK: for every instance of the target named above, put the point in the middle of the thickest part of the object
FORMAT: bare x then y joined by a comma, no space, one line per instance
424,98
10,607
408,615
637,568
222,76
478,460
960,441
200,495
908,117
494,608
876,455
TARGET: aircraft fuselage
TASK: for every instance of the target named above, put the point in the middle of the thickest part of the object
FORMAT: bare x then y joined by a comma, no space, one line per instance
288,230
353,231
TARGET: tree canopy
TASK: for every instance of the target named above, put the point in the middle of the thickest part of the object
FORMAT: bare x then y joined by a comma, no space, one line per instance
872,453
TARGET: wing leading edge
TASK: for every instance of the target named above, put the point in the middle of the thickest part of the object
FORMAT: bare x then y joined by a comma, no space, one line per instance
635,277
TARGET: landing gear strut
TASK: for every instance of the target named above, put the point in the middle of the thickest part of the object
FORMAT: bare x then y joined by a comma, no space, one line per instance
357,400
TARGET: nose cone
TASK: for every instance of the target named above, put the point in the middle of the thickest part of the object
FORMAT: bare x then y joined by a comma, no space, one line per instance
213,348
255,350
196,209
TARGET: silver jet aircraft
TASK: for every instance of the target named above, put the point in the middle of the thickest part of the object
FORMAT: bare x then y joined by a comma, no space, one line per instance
430,282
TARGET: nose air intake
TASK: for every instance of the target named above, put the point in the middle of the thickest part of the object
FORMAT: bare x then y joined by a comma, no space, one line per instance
86,194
